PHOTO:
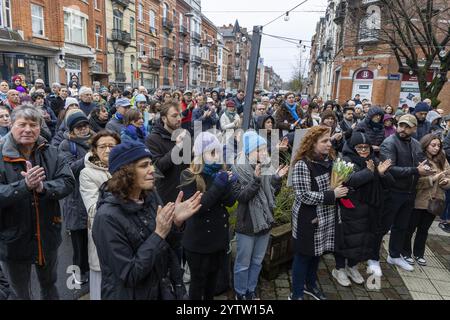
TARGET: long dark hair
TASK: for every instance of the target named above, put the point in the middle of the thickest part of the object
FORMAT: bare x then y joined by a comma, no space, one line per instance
440,158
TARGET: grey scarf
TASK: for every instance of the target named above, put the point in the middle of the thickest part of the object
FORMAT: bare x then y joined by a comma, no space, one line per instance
261,206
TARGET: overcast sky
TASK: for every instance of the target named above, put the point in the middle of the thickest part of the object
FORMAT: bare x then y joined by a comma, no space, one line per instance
279,54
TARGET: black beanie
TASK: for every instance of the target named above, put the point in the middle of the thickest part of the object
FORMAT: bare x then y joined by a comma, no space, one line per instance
75,119
358,138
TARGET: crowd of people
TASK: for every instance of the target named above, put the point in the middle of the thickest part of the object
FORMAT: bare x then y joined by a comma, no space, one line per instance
103,163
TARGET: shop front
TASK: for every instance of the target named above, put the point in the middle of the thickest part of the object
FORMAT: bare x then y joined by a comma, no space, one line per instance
32,66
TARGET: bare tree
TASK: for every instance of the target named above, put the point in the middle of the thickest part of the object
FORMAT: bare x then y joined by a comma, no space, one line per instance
299,74
417,32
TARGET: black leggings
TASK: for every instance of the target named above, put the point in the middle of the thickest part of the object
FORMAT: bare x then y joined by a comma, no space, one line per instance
204,271
80,249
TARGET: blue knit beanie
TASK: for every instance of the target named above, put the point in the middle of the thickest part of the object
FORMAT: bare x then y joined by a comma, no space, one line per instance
126,153
421,107
252,141
204,142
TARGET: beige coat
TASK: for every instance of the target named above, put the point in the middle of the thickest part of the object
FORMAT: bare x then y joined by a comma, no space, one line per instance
91,179
426,189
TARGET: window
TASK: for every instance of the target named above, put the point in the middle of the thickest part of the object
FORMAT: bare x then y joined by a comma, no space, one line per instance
118,61
181,21
96,4
5,13
174,43
98,35
181,47
152,52
166,40
132,28
152,21
174,16
117,20
166,69
37,20
141,47
74,27
165,11
180,72
141,13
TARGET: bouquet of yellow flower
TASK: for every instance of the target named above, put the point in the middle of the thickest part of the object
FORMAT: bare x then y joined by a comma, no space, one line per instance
340,173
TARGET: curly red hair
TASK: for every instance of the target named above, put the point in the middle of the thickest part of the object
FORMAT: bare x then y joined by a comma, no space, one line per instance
306,150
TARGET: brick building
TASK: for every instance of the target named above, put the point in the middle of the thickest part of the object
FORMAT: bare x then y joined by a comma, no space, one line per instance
238,42
346,60
184,41
148,64
209,54
121,36
53,40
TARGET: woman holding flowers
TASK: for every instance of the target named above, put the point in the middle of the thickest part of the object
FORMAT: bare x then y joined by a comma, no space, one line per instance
314,214
360,210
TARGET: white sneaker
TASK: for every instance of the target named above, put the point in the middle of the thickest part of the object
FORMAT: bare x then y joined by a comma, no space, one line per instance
373,267
187,274
341,276
354,274
400,263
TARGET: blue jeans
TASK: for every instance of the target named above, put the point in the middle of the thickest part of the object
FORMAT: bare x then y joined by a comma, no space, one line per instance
304,271
248,263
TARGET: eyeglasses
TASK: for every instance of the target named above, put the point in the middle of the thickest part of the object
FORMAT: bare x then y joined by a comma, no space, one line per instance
362,148
82,126
104,146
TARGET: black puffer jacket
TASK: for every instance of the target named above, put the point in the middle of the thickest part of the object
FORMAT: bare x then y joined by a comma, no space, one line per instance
207,231
19,208
133,258
4,286
74,212
374,131
160,143
406,156
367,192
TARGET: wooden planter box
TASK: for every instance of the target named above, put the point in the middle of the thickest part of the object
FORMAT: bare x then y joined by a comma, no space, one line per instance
279,251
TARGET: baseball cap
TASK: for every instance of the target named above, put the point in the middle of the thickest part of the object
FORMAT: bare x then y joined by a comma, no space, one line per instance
187,92
409,120
123,102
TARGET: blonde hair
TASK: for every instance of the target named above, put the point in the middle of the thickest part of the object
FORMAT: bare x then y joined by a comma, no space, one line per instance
194,173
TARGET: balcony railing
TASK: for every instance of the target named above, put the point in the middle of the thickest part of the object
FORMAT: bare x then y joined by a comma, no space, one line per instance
183,56
195,36
183,31
167,24
205,61
154,63
166,82
121,77
123,37
168,53
196,59
123,3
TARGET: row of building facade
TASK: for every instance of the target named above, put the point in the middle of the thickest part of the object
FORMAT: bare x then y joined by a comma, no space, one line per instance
155,43
347,60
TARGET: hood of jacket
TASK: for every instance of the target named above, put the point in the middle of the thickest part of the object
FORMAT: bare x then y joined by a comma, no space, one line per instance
160,130
261,119
11,150
433,115
89,163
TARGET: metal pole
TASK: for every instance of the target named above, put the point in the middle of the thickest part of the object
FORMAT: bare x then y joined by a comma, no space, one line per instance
252,72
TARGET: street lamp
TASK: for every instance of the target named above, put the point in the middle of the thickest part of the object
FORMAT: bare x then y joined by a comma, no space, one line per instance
61,63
